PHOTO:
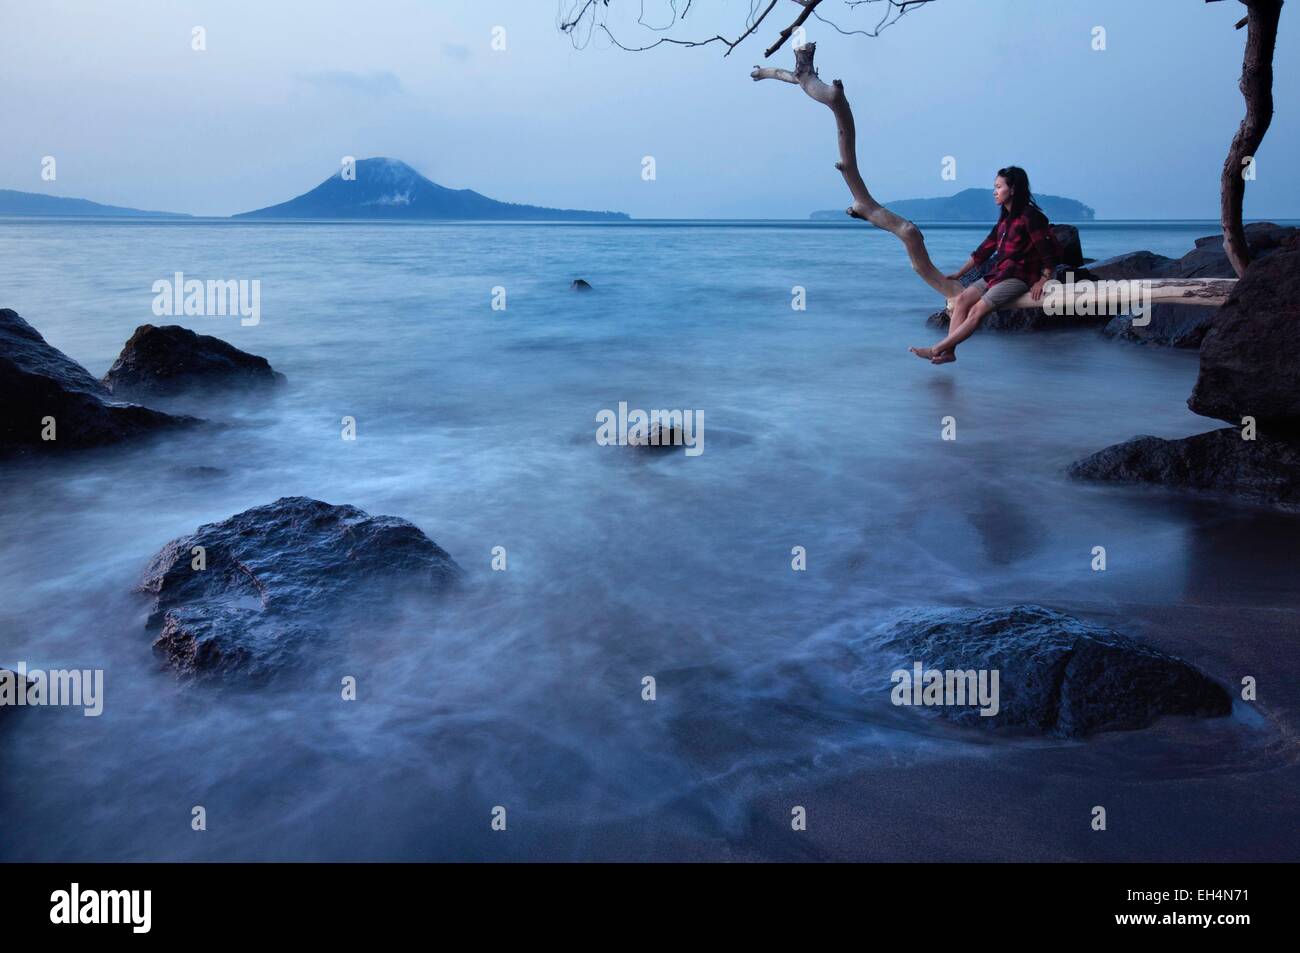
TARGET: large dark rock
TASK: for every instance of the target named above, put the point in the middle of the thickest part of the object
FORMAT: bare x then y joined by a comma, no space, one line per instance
1067,236
38,381
283,580
1171,325
1250,358
1134,264
162,361
1206,260
1209,260
1057,675
1263,470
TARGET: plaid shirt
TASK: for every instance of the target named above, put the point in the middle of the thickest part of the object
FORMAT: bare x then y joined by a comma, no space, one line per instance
1027,245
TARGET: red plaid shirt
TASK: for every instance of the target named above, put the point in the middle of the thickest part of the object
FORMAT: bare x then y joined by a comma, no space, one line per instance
1026,244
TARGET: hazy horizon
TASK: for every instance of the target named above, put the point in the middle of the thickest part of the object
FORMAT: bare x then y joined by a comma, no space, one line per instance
135,117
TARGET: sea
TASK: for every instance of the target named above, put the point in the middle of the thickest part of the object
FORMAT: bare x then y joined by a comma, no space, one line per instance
744,581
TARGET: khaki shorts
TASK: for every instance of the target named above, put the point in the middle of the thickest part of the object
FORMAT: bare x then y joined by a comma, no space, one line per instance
1001,294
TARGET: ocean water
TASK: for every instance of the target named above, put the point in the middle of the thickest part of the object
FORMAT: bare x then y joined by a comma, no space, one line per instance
524,691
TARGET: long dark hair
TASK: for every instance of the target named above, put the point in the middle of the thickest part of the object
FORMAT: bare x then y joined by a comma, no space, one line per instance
1021,197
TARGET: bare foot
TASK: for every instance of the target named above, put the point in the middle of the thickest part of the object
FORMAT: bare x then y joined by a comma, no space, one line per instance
944,357
924,353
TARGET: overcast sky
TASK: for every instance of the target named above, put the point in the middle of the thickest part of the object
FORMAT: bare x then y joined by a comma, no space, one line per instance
134,116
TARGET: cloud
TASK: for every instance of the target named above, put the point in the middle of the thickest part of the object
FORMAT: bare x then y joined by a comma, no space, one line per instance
376,82
455,51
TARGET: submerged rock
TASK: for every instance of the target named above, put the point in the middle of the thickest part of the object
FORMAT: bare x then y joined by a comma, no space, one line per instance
171,359
38,381
280,581
1263,470
1057,675
9,688
1250,359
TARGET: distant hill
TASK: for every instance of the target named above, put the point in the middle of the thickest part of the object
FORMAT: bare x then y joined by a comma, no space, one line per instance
973,205
391,189
36,204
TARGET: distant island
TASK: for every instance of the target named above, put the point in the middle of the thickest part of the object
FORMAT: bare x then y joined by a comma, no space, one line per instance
37,204
391,189
971,205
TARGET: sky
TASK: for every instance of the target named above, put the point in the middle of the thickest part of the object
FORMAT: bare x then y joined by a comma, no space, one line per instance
134,116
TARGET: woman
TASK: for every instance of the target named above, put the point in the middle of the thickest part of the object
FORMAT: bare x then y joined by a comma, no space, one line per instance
1019,255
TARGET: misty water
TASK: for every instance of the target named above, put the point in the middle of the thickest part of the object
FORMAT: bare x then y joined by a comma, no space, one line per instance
524,690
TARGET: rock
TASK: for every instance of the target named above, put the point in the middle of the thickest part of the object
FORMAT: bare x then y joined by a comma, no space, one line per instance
163,361
39,381
283,580
1057,675
1263,470
9,687
1172,325
1134,264
1250,358
1025,319
1208,259
580,284
659,439
1067,236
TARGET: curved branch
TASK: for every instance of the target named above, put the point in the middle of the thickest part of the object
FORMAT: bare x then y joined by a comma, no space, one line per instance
1257,89
864,206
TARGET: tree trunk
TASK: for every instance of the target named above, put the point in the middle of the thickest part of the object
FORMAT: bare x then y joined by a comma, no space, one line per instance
1257,89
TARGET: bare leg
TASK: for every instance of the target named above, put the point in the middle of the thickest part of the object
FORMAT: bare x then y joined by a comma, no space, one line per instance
960,313
958,333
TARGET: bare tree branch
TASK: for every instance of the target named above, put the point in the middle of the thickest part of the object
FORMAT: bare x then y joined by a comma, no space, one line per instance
864,206
583,17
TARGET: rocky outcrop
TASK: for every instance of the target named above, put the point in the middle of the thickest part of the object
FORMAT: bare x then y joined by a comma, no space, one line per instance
1134,264
1171,325
168,360
1264,470
1206,260
580,284
1250,359
38,382
281,581
1057,675
1250,368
